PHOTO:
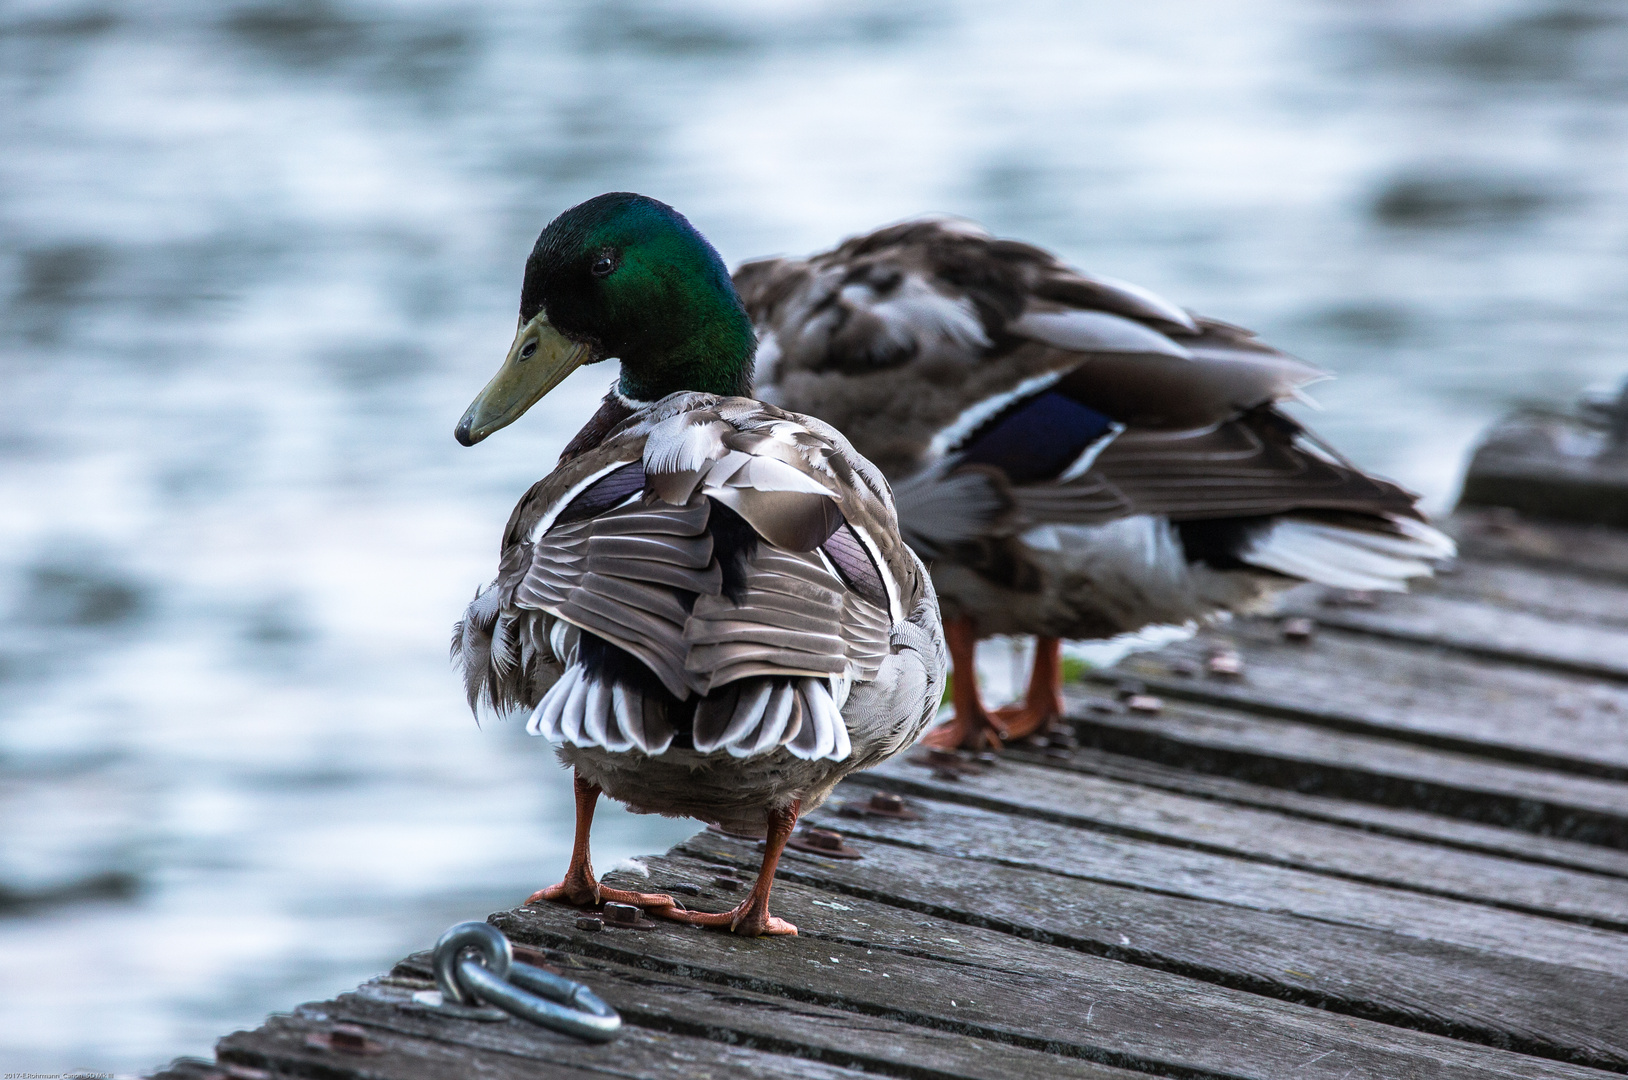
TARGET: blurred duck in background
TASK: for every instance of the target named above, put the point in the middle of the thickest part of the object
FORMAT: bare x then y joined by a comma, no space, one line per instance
1074,456
707,605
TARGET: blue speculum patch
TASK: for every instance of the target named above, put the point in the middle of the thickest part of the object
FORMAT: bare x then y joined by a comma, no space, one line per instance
1036,438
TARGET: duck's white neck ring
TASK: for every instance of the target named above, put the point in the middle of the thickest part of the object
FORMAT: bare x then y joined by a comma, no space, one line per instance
626,402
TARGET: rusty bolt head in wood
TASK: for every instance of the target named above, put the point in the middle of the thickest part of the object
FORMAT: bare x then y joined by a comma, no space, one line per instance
1298,629
728,884
886,802
626,917
592,924
1145,703
1226,665
621,913
827,842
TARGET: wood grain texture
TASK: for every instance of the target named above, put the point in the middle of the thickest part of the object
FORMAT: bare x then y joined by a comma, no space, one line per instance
1293,754
795,1028
1506,633
1240,835
1389,820
1430,697
1548,1009
1500,536
876,960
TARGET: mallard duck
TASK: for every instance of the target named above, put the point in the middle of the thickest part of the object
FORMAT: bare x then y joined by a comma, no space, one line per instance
706,605
1074,456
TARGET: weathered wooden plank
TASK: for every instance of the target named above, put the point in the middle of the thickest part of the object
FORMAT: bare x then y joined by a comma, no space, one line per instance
414,1046
1469,625
1546,1009
1504,535
876,960
1308,757
1554,593
1011,840
1392,821
1357,683
1210,850
779,1025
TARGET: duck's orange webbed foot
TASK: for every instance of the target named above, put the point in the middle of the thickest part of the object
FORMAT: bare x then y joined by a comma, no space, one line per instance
580,888
977,733
972,727
1042,708
590,893
751,918
748,918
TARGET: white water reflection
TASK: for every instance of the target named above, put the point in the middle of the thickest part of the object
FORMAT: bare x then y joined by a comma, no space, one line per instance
256,257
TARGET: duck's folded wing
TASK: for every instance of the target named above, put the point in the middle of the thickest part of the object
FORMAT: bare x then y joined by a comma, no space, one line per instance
721,554
1253,466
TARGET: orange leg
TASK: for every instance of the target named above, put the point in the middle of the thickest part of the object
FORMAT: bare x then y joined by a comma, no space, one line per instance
971,728
1042,706
751,917
580,887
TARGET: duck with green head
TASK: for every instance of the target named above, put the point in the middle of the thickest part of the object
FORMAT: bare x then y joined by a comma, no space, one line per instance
706,606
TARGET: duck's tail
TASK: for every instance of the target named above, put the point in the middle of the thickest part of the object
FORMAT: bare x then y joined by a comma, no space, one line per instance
1378,554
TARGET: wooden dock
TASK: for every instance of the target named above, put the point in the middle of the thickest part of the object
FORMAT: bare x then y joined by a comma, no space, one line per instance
1397,848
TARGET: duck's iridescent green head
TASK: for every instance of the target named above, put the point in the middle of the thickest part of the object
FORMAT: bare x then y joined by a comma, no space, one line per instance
624,276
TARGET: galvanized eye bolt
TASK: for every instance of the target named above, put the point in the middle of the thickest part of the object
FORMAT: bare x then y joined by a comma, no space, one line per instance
475,965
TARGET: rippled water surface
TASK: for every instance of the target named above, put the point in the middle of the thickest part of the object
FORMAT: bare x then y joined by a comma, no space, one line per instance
256,257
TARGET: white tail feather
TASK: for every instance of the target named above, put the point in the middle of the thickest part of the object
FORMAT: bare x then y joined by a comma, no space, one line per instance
802,715
1349,558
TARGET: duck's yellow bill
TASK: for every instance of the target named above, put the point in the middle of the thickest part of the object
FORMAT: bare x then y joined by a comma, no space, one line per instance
538,361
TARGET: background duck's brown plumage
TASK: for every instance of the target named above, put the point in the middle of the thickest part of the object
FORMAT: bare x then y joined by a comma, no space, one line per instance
971,370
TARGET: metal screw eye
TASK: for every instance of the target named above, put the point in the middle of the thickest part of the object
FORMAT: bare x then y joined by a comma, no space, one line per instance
494,954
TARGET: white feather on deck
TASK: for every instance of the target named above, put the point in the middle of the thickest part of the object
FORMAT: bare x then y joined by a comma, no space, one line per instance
1349,558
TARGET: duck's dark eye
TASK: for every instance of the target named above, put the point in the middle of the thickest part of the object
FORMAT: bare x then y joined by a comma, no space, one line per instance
602,266
527,349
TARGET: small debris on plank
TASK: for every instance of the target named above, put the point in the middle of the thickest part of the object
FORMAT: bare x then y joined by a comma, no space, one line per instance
343,1039
1298,629
1126,689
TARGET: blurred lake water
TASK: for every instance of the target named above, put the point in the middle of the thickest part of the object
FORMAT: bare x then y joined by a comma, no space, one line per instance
257,255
